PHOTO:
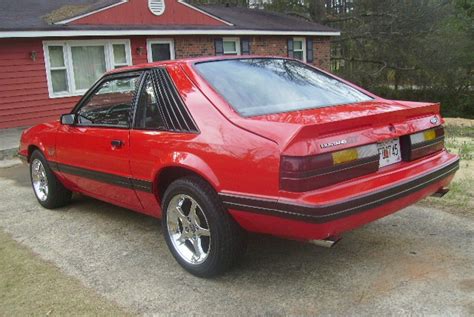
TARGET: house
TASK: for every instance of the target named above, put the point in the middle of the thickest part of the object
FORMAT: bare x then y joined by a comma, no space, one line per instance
51,52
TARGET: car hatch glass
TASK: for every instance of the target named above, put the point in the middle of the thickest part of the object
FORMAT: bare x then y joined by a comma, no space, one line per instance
259,86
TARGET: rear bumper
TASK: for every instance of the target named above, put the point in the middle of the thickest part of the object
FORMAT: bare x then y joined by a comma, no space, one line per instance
322,220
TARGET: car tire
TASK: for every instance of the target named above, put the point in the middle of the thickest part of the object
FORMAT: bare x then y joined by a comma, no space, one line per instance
222,242
47,188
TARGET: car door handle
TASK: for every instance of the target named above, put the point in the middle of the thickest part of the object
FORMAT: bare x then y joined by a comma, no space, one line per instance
117,144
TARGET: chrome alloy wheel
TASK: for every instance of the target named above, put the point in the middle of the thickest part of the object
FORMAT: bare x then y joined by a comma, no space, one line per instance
39,179
188,229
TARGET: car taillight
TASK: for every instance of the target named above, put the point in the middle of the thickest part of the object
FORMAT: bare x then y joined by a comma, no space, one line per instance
303,173
422,143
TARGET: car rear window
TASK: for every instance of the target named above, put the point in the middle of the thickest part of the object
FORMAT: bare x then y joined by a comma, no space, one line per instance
259,86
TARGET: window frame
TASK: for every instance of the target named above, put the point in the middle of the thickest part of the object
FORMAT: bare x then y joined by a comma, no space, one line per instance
142,86
236,40
303,47
67,45
147,75
150,42
87,96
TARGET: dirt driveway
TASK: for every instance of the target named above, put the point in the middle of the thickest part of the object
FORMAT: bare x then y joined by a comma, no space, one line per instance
419,261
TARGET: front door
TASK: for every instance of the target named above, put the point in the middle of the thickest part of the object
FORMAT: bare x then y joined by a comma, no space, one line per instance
160,50
94,153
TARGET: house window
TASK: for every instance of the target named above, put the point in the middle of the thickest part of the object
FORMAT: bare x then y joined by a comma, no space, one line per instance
299,48
160,50
73,66
231,45
58,70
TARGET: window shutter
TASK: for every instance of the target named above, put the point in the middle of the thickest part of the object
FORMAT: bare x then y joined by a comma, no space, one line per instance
290,48
309,50
219,46
245,46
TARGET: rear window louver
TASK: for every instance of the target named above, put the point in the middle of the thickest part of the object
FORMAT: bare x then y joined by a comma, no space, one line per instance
172,108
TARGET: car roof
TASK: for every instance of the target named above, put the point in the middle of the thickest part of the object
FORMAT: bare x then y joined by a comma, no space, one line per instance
188,61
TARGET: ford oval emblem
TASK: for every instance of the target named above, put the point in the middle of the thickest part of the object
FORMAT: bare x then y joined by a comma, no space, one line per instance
434,120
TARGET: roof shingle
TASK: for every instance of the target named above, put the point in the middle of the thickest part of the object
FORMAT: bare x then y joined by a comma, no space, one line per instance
256,19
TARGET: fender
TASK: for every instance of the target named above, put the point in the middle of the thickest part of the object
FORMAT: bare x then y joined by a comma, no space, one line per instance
190,162
43,137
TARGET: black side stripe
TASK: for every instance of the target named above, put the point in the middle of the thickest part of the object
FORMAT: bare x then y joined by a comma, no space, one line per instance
137,184
325,213
141,185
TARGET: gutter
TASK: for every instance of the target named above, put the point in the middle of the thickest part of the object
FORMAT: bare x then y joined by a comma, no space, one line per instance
77,33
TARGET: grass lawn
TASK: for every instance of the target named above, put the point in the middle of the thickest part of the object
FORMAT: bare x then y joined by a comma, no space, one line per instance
459,140
30,286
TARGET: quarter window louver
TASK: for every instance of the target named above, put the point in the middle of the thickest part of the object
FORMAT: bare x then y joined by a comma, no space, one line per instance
175,114
157,7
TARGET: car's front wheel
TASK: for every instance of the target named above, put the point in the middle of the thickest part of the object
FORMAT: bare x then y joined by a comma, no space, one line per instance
199,232
47,188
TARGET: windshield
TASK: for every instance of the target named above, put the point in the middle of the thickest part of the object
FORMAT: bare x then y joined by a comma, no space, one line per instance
262,86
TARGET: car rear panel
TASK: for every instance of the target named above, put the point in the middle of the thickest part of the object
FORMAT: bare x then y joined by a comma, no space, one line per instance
302,132
362,197
322,211
330,211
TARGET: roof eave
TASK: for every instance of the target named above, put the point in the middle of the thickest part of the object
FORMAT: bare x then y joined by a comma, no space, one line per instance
131,32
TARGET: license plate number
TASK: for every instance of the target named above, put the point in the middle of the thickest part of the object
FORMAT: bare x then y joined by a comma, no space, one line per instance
389,152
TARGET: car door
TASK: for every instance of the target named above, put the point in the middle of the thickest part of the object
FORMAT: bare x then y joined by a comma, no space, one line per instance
94,153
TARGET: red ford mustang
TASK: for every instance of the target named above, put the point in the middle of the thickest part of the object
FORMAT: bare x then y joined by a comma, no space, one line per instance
220,146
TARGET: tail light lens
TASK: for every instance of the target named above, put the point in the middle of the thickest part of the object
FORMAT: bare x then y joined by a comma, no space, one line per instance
298,174
422,143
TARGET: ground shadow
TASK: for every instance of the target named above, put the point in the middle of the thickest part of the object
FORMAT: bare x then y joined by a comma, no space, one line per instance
265,254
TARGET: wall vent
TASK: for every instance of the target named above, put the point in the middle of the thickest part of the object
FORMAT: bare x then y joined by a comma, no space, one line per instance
157,7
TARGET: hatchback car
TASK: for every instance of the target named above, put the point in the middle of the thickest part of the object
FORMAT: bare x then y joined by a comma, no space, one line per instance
217,147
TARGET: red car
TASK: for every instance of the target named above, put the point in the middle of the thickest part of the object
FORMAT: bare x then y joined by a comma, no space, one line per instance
220,146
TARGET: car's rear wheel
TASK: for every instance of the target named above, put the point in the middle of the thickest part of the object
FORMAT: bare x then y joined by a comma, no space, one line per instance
47,188
199,232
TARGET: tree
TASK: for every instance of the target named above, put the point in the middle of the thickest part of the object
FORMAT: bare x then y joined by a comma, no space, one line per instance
408,49
405,49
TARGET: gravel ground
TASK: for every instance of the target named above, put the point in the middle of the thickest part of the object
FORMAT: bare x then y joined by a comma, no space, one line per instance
419,261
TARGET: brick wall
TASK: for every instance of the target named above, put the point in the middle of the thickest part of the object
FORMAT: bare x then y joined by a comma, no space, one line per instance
322,52
194,46
269,45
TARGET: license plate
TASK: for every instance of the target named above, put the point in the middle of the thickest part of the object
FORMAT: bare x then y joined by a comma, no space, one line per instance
389,152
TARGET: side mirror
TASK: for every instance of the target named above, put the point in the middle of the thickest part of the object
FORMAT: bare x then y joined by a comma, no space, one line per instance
68,119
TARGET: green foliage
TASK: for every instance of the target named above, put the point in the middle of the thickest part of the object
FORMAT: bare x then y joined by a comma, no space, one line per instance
452,104
401,49
412,50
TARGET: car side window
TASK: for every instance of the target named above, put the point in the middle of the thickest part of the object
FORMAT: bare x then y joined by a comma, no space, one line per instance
110,105
149,115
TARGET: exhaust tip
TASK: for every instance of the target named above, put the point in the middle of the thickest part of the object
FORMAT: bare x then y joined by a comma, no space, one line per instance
326,243
441,192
